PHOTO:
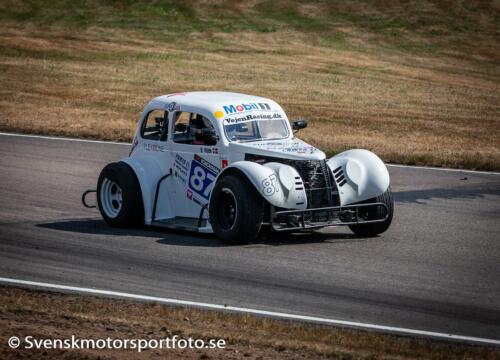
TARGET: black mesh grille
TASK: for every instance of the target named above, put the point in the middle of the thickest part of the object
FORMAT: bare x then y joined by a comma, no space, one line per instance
317,178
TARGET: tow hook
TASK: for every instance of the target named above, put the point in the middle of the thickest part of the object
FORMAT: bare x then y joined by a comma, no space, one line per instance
84,198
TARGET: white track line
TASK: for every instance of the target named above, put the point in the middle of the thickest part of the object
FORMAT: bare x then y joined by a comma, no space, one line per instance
352,324
63,138
128,144
444,169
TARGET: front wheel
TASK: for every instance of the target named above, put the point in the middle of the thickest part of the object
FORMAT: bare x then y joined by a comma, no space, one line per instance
373,229
119,196
236,210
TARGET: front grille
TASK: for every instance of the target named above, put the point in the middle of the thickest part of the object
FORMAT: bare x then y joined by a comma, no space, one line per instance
316,181
317,178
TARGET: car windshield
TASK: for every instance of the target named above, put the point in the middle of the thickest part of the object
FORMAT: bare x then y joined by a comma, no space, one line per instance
254,130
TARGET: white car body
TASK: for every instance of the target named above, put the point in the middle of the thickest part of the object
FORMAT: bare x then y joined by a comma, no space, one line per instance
359,174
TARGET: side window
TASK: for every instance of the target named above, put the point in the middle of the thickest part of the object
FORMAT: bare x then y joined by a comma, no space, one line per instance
155,126
194,129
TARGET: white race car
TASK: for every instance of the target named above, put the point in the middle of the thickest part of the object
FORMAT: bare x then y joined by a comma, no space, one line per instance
230,164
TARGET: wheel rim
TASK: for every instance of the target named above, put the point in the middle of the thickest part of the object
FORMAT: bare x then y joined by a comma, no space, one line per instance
227,209
111,198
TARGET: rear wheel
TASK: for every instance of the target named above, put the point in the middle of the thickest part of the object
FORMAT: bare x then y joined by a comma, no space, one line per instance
236,210
373,229
119,196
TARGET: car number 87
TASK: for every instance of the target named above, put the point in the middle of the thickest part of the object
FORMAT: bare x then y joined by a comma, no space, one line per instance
201,181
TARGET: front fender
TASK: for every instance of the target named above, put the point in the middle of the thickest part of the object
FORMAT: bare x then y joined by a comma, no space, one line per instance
279,184
360,175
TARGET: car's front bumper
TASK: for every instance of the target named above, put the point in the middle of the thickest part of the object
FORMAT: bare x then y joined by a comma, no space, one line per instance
293,220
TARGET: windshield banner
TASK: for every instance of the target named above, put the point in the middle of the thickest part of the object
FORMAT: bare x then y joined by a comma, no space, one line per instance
252,117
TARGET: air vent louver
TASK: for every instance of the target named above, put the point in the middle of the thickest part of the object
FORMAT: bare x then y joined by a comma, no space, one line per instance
339,176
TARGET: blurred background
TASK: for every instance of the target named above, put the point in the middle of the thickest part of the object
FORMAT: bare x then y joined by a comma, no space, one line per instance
416,82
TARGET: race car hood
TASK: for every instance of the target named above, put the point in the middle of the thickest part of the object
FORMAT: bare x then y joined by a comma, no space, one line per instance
289,149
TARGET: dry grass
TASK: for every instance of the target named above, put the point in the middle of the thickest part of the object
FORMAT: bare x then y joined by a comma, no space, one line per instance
52,315
417,84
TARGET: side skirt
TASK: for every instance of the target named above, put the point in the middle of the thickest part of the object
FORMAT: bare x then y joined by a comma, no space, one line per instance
185,224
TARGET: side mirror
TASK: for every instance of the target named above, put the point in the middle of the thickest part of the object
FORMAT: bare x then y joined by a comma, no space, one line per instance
299,124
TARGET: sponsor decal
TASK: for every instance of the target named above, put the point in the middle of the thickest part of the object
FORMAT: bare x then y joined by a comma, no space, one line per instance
173,107
308,149
189,194
224,163
181,168
241,108
252,117
294,147
202,176
300,149
206,163
234,109
209,150
155,147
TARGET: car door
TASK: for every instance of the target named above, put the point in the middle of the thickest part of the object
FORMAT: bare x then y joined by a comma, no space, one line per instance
156,160
195,162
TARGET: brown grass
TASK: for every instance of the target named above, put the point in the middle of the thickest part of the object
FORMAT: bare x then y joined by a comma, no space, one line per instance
413,94
53,315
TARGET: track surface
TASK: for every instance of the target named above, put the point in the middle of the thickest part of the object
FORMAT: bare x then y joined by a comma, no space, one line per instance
436,269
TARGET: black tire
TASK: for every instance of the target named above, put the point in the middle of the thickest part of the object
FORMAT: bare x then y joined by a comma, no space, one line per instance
248,210
370,230
130,211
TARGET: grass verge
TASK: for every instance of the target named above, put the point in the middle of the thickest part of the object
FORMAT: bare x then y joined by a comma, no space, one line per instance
418,83
54,315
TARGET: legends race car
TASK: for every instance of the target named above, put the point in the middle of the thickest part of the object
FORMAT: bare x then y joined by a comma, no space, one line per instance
230,164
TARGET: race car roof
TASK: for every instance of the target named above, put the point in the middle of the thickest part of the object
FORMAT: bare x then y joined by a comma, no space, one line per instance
211,101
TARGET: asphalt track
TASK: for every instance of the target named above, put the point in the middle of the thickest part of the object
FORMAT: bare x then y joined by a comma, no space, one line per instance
436,269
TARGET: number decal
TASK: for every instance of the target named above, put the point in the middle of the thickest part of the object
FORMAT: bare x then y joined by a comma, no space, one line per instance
269,185
210,185
202,177
198,176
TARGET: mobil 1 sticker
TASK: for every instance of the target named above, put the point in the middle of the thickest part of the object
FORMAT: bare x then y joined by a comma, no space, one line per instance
202,176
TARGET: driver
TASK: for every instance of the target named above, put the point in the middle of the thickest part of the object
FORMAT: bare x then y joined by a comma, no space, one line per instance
199,128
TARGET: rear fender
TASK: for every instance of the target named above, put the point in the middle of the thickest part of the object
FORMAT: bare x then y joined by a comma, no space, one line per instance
148,179
279,184
359,174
